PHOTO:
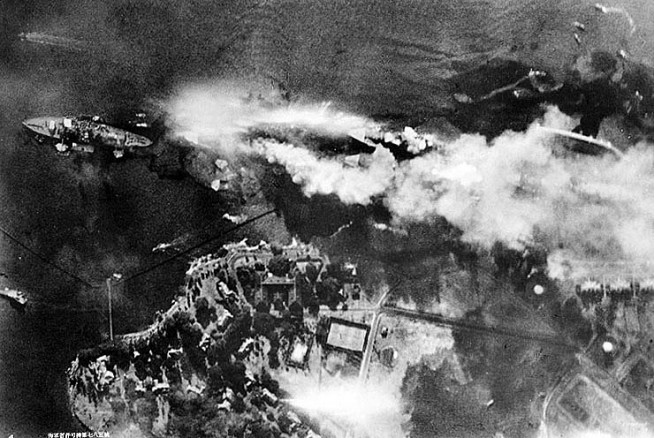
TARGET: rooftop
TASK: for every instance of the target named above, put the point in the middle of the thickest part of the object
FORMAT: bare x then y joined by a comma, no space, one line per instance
347,335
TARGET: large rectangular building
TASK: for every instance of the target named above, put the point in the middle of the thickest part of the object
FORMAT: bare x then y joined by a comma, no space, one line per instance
347,335
589,401
277,290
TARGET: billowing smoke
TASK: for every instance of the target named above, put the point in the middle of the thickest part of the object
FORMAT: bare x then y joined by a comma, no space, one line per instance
518,191
515,189
328,176
219,114
373,410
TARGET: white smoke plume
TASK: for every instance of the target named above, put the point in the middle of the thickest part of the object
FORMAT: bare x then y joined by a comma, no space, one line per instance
373,410
514,189
492,192
219,114
328,176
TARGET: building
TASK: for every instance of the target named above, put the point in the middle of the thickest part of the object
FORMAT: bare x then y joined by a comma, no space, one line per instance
637,377
352,291
298,354
589,401
269,398
160,387
279,291
590,292
275,290
224,317
245,348
303,262
347,335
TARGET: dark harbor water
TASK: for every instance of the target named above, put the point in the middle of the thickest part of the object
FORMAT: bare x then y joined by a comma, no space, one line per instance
392,59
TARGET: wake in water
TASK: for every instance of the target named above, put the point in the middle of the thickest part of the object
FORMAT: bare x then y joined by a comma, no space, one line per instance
54,41
619,11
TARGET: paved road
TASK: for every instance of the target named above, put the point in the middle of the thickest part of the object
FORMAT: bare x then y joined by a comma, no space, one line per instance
367,354
485,329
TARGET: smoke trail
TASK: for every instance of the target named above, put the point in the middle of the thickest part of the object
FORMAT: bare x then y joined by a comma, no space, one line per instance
54,41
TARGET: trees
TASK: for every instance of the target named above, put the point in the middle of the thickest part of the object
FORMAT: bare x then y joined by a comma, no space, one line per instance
87,355
204,312
215,379
312,272
247,276
329,292
331,285
201,419
249,280
238,330
238,405
334,271
322,329
169,327
183,320
288,329
191,335
262,429
120,354
280,266
263,324
313,307
217,353
201,303
269,383
273,358
296,310
234,375
304,287
276,249
262,307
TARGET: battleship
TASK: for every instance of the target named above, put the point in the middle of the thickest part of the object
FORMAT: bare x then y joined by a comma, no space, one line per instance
84,134
15,296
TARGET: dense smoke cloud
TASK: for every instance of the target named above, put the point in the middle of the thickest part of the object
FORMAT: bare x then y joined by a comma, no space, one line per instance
389,58
328,176
518,191
219,114
374,410
515,189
